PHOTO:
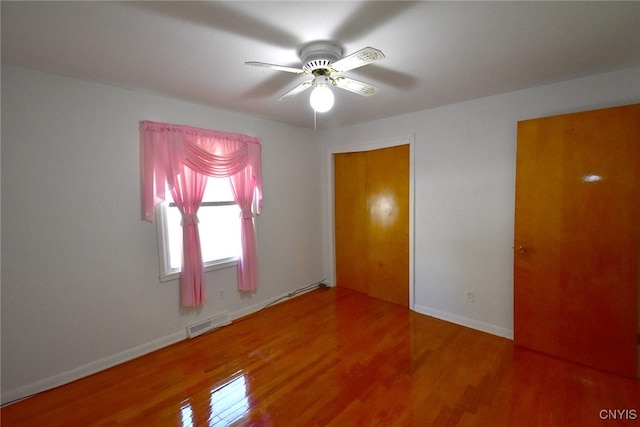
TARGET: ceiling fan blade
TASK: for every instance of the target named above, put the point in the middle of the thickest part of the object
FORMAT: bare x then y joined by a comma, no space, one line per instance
367,17
358,59
223,16
296,90
276,67
355,86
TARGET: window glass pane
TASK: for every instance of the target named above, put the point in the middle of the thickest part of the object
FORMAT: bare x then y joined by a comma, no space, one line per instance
218,190
219,226
219,233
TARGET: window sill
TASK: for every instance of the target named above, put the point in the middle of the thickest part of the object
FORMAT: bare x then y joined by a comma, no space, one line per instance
210,266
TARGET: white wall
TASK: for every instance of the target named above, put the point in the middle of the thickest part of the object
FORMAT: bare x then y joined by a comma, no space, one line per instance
465,191
80,287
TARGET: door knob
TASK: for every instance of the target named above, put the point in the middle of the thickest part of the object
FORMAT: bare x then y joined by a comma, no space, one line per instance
521,249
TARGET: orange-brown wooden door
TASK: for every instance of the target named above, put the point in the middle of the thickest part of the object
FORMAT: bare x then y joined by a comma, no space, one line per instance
577,237
371,193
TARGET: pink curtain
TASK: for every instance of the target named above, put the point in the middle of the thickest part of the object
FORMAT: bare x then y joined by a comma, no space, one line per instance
169,150
243,184
187,194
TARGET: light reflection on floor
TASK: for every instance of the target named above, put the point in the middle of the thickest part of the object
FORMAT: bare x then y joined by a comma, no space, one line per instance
186,414
227,403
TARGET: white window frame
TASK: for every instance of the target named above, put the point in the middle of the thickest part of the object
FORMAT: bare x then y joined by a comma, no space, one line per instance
166,272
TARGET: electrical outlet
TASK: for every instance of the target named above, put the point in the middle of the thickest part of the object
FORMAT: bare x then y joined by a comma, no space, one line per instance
470,296
221,293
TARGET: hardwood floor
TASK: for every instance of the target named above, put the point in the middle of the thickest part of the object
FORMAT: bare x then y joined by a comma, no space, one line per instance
337,357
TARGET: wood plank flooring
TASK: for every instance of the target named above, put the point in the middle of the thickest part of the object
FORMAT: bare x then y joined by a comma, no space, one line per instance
337,358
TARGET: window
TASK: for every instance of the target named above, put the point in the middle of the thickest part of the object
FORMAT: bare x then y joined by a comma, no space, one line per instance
219,227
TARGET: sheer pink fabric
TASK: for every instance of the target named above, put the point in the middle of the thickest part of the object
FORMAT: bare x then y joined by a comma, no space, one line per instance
169,150
243,184
187,194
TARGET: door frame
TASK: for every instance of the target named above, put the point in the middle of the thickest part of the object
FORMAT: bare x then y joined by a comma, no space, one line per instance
369,146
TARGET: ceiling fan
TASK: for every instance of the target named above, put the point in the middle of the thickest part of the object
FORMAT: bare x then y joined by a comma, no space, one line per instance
323,60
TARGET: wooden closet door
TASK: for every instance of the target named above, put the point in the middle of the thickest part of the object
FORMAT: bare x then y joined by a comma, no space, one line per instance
577,237
371,192
351,224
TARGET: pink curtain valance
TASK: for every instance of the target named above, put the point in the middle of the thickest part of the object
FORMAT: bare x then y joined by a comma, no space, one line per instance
178,159
165,147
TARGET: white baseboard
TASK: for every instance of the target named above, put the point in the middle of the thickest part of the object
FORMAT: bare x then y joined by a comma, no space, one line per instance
91,368
125,356
465,321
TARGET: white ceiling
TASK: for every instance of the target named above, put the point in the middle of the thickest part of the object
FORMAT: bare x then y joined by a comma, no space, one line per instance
437,53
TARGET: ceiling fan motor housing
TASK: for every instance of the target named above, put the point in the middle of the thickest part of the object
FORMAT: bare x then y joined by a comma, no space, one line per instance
319,56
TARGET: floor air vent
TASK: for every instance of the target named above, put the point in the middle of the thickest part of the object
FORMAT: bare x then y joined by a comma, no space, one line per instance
209,324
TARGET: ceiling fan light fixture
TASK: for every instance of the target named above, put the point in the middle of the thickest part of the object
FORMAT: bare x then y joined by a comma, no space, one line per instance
321,98
323,60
